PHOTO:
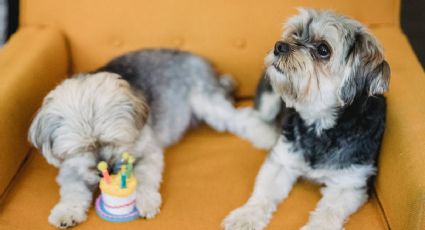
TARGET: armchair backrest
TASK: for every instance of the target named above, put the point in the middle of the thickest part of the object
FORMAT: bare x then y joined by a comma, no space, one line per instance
234,35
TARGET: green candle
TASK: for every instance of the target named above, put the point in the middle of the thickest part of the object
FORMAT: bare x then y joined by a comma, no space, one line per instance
130,162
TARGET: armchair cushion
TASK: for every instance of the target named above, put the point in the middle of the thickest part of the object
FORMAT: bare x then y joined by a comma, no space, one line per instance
207,175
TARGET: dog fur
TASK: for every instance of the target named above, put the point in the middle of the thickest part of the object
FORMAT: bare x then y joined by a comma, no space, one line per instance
141,102
330,74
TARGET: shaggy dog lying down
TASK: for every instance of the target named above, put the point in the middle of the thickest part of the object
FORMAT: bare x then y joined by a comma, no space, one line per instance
141,102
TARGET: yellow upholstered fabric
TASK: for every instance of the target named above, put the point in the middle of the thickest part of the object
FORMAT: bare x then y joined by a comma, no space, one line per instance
31,63
206,176
401,180
235,35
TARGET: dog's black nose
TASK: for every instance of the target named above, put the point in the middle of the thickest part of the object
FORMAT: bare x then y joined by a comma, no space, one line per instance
281,48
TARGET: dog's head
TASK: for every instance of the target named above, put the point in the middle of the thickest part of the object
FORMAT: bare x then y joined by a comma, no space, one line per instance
85,113
325,60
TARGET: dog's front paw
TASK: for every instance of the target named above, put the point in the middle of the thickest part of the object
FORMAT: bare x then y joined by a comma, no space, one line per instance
65,215
323,221
148,203
319,227
246,218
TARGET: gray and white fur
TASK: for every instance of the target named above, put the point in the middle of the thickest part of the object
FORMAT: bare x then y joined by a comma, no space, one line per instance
323,87
182,89
141,103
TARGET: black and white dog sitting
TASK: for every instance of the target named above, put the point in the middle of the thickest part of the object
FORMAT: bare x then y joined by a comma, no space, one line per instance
323,85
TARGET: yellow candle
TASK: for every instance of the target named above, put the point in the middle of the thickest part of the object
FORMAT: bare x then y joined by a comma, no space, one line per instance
103,167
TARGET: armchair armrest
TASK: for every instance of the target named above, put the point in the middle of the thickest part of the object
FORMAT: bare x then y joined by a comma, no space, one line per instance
400,184
33,61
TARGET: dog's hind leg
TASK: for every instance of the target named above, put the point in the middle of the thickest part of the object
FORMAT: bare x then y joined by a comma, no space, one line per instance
217,110
228,84
77,179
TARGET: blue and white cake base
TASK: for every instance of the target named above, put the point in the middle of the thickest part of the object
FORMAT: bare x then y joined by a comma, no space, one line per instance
122,213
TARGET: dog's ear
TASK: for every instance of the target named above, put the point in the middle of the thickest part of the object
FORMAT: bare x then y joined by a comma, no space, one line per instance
368,72
139,102
41,131
379,79
141,111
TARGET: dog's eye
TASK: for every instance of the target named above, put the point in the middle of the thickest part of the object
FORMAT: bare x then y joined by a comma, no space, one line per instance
323,51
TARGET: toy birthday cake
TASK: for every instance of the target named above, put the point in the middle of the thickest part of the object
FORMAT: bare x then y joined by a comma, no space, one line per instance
117,201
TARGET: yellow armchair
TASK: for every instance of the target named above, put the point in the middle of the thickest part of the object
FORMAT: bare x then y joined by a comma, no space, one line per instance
208,174
31,63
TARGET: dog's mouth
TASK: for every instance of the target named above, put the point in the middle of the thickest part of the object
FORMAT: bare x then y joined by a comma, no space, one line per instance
276,66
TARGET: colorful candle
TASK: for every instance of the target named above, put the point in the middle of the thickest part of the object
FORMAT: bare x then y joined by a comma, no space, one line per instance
130,162
123,176
103,167
125,156
117,166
